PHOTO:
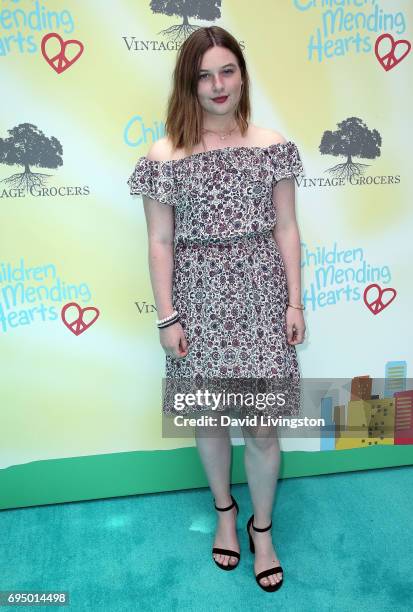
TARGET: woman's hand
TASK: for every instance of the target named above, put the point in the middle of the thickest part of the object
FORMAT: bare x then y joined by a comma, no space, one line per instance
173,341
295,325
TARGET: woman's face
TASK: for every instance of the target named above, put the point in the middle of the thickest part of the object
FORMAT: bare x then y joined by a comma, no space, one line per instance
219,75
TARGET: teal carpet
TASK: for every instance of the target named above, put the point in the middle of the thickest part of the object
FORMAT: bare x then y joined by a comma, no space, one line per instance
344,540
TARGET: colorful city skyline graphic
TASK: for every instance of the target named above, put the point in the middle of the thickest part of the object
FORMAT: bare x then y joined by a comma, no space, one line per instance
367,419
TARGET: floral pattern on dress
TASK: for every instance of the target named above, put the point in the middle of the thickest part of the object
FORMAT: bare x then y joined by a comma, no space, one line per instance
229,282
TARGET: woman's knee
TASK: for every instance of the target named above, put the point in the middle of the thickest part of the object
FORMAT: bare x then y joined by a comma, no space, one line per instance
260,439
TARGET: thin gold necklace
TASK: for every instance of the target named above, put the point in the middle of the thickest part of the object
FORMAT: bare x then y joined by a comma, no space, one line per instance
222,135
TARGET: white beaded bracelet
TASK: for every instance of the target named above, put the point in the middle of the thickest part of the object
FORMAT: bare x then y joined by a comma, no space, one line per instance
171,316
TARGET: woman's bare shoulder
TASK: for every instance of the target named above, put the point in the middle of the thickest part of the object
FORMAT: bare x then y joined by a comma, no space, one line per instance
266,137
160,150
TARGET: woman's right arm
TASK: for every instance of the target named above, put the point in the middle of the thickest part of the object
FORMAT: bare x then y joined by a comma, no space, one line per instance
160,223
161,228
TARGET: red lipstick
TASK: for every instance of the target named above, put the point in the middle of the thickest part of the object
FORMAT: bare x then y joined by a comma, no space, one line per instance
220,100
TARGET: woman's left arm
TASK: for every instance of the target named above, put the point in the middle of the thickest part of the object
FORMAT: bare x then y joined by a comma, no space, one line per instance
287,236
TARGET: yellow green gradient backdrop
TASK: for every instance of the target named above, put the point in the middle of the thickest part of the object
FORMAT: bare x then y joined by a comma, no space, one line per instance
80,415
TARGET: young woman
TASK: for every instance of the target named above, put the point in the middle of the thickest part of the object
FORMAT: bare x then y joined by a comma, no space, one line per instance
224,260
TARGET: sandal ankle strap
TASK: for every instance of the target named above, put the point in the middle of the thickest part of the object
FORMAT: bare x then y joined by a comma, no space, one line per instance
258,529
228,508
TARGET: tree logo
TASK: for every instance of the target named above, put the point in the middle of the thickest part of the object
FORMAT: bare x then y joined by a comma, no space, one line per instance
206,10
352,139
27,146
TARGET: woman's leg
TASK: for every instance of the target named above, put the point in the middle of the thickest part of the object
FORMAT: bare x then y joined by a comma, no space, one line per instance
262,463
215,453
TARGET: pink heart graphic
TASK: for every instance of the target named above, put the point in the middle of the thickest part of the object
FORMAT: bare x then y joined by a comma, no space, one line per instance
60,62
374,301
77,326
389,60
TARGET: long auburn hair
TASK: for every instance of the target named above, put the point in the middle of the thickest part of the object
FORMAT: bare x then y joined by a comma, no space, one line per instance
184,113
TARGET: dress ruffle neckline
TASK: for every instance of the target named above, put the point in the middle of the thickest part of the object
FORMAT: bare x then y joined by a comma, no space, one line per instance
288,144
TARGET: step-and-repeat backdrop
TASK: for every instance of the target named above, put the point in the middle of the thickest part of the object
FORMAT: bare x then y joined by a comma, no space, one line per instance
83,95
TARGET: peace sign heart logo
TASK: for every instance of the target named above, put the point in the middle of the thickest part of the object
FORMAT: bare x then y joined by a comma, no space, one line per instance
59,61
388,59
75,320
373,297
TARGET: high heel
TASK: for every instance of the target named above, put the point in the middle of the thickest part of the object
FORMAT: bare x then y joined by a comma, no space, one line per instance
271,570
224,551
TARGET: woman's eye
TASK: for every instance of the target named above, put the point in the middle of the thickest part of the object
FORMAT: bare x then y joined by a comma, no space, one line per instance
227,71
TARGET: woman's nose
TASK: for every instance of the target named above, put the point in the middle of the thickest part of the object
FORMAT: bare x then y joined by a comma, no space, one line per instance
217,83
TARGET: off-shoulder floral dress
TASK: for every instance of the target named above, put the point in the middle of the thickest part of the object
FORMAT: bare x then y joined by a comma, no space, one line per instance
229,282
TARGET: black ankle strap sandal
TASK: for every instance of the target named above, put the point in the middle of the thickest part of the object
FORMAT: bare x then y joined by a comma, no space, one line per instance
272,570
225,551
